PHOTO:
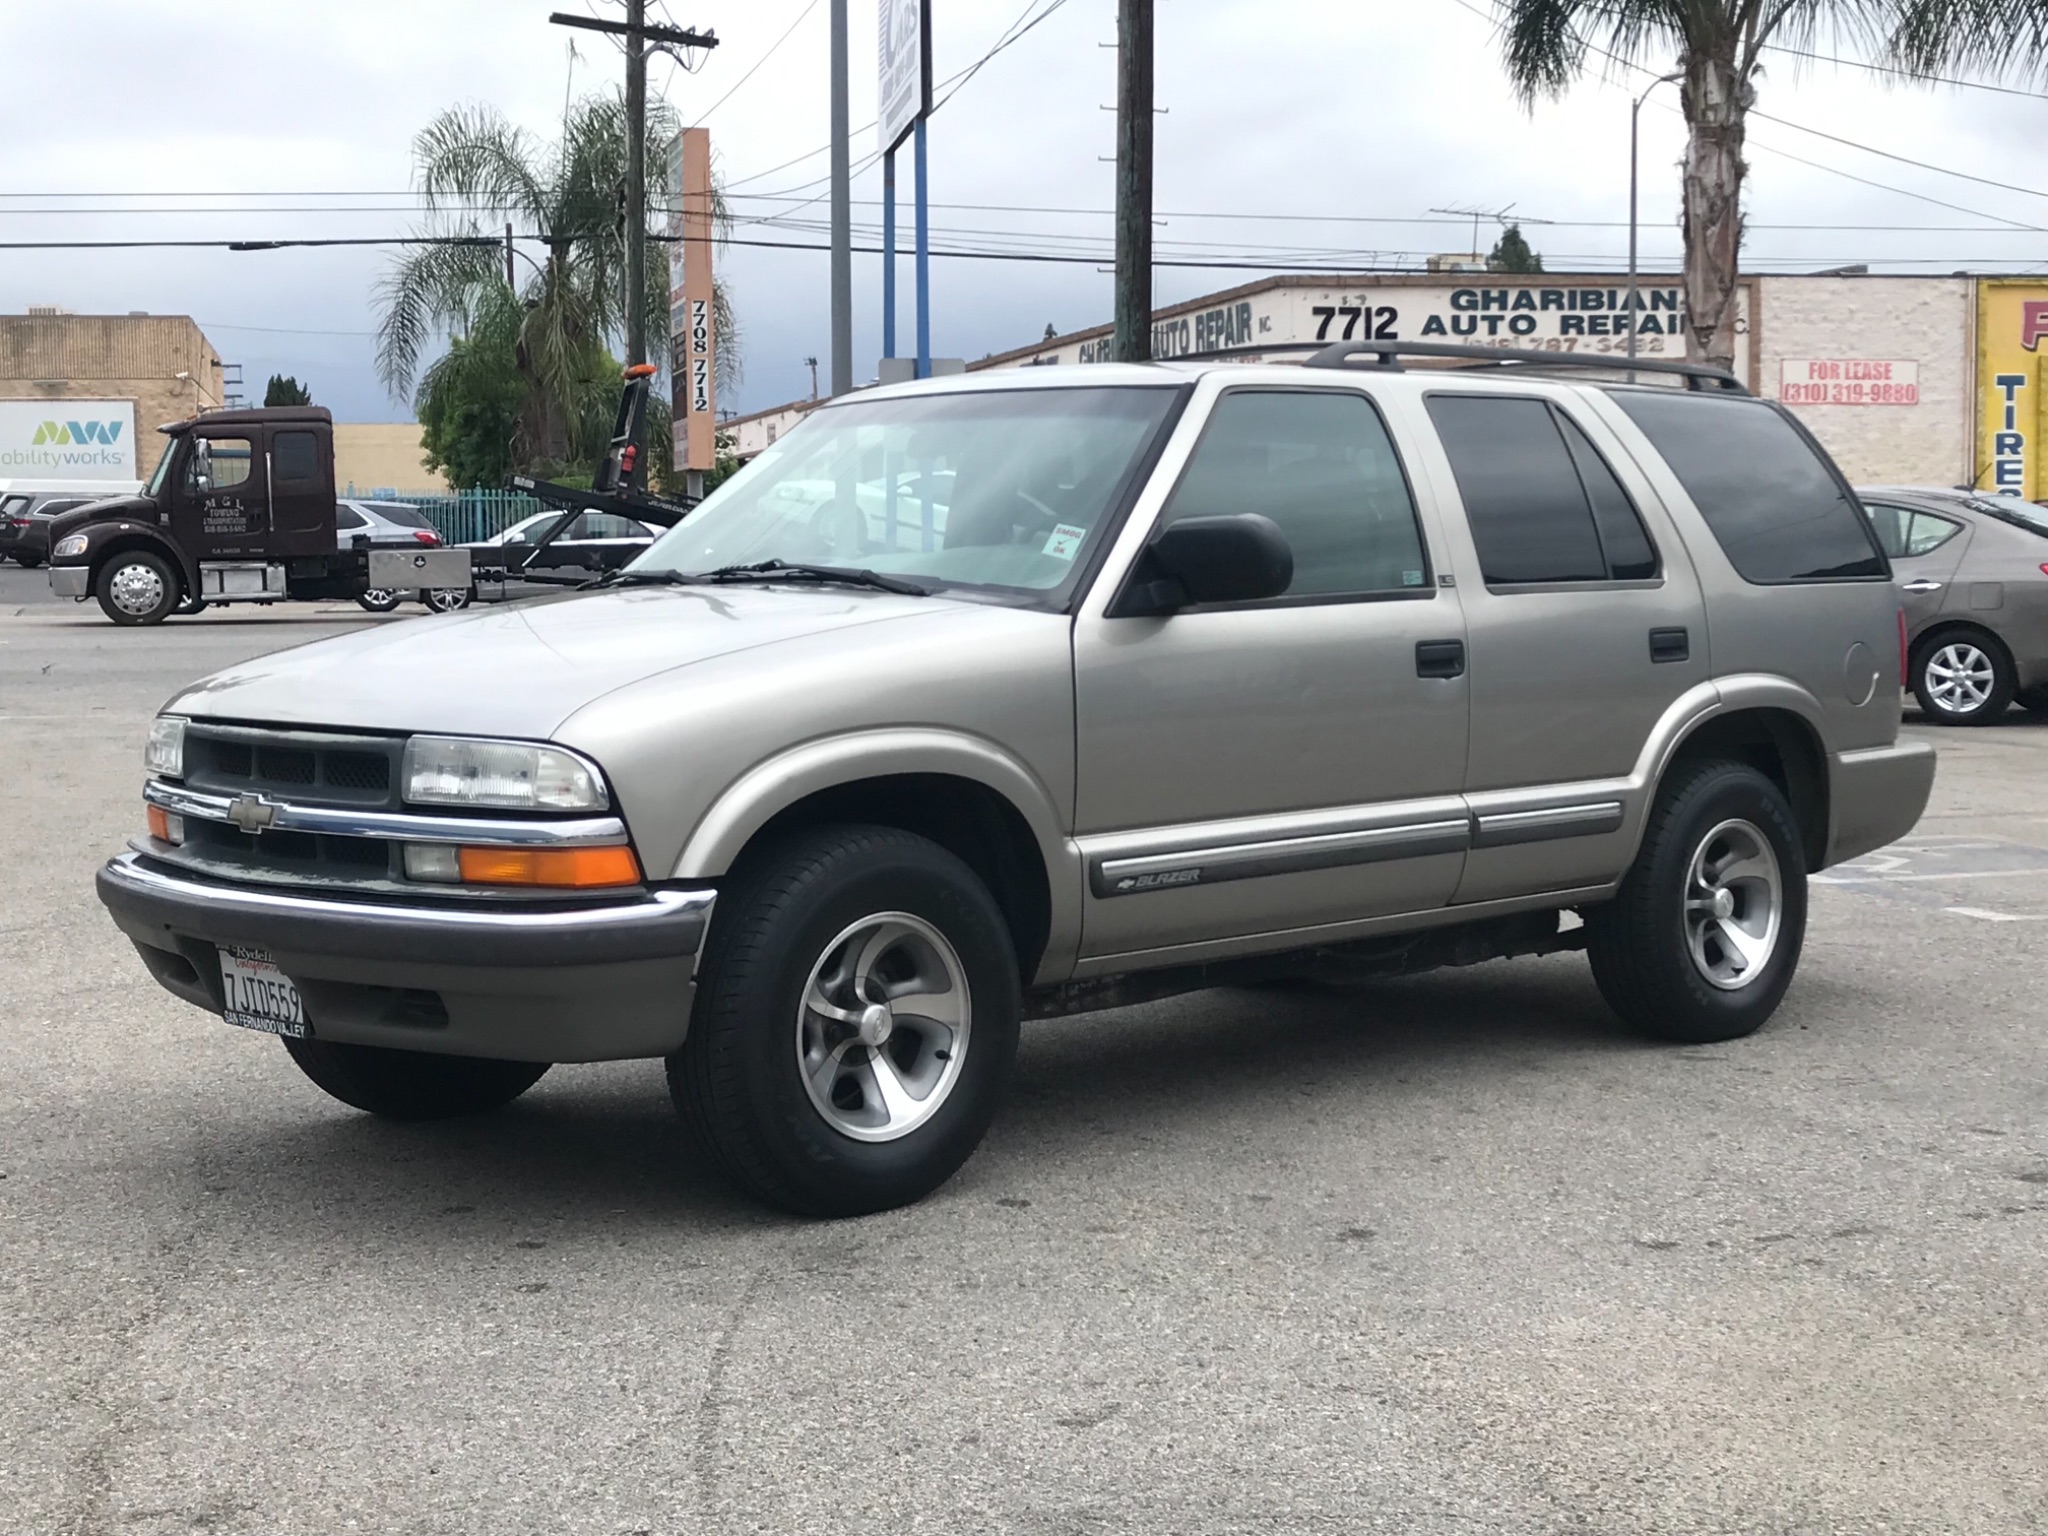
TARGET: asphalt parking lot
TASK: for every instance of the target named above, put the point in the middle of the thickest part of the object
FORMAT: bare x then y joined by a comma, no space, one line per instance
1449,1254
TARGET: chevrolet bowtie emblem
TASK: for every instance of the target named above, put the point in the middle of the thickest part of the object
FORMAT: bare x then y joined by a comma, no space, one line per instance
252,813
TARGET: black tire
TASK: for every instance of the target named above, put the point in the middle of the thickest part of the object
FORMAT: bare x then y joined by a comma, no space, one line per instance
1941,650
1639,944
190,606
28,562
167,586
447,599
738,1083
380,600
413,1085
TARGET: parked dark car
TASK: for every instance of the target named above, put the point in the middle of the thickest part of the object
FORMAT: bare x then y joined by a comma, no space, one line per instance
25,524
1972,574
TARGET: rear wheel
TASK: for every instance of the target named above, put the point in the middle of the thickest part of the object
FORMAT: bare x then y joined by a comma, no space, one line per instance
380,599
1704,935
412,1085
855,1022
28,562
137,587
1963,677
446,599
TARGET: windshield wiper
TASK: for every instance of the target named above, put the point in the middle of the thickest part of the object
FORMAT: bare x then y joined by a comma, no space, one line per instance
626,578
784,570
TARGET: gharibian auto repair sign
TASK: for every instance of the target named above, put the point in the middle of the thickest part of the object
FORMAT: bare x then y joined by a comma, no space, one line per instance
67,440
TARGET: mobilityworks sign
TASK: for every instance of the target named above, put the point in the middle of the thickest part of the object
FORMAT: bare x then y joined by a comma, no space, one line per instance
67,439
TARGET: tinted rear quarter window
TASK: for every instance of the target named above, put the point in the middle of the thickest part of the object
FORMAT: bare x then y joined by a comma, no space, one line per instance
1776,507
294,456
1523,498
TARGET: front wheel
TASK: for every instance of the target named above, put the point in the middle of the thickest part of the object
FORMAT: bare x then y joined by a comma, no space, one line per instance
446,599
1701,941
1963,679
855,1022
412,1085
379,599
137,587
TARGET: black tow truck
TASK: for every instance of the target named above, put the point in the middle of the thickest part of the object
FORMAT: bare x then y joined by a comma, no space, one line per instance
241,509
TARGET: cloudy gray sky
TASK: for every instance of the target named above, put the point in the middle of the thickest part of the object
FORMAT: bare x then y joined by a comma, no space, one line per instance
1316,133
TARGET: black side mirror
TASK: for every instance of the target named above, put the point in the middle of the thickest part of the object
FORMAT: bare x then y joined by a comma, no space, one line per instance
1235,559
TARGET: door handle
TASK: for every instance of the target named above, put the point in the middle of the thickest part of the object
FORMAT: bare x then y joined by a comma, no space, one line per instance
1439,658
1921,585
1670,645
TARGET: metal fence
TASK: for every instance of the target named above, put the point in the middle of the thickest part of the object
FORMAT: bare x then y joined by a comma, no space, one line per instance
462,517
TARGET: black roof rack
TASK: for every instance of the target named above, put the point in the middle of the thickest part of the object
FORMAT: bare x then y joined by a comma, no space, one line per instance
1339,354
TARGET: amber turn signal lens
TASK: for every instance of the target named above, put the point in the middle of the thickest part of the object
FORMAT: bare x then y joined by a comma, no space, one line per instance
569,868
163,826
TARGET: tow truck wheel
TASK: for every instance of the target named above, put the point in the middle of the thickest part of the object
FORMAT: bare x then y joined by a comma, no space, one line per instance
446,599
137,587
378,600
412,1085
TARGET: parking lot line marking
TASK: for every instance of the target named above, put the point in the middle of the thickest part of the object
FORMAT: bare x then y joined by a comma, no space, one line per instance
1959,874
1982,915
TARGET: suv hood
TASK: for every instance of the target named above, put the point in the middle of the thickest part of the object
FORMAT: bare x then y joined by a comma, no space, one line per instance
522,670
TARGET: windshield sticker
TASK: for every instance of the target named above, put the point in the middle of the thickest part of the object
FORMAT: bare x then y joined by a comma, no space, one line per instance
1065,542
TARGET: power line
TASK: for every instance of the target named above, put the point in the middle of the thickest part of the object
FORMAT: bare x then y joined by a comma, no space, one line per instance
1904,74
1885,154
743,79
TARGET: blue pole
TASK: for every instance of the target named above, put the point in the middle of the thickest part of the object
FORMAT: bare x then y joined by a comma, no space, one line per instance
889,254
924,264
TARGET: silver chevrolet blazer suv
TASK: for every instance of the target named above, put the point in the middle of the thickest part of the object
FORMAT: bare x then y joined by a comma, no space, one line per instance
1028,693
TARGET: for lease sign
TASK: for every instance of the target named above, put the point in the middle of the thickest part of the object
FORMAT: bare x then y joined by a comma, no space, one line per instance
1849,381
67,439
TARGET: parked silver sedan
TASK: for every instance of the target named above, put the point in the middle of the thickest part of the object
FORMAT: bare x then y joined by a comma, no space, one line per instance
1972,572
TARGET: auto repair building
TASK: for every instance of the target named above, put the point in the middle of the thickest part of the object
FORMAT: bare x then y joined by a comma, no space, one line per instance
1916,380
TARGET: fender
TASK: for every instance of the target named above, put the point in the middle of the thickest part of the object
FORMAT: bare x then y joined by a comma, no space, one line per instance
126,532
772,786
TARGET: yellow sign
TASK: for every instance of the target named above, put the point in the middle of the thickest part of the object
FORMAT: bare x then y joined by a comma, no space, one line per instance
2012,387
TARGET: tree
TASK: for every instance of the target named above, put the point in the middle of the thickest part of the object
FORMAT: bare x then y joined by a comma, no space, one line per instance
554,330
1511,253
283,389
1718,47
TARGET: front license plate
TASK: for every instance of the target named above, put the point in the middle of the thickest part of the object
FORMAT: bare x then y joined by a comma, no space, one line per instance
258,994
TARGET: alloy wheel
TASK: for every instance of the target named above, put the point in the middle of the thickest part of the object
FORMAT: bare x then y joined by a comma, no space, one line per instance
883,1026
1734,905
1961,678
137,589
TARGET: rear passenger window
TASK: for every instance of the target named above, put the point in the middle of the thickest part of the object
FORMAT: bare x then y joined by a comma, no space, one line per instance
1928,533
294,456
1320,464
1542,504
1773,502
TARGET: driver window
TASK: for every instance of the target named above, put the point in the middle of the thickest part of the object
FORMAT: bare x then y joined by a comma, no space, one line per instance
219,464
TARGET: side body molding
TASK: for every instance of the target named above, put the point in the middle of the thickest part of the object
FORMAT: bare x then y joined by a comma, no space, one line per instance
757,796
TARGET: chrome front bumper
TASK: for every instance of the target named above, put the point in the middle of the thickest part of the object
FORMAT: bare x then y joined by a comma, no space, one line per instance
71,580
592,982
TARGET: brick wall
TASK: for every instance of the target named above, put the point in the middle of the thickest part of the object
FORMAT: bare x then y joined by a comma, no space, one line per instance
113,357
1926,320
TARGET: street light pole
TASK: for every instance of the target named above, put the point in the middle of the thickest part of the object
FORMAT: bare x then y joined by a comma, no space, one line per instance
1635,113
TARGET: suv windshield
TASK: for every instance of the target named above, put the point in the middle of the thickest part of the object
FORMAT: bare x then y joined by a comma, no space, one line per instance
1004,489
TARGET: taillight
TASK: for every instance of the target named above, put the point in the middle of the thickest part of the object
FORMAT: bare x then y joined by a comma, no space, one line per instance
1905,670
426,536
2044,568
628,458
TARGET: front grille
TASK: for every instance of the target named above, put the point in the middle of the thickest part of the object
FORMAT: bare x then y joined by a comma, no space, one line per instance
290,854
304,767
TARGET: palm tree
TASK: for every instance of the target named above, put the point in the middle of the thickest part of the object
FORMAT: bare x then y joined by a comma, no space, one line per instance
1718,48
476,172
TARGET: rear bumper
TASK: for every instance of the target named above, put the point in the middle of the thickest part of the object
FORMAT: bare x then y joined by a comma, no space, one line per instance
71,580
1876,796
590,983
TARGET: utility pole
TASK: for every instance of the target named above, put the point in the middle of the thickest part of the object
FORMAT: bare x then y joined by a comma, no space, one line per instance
812,363
638,34
636,182
842,211
511,277
1133,181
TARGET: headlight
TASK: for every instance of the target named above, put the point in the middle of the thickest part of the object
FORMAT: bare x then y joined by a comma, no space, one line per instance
71,544
165,754
453,770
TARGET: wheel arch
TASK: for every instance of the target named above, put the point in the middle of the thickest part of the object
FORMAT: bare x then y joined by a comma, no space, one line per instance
1782,742
965,794
124,540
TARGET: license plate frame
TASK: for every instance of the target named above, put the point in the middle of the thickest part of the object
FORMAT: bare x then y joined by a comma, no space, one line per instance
259,996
